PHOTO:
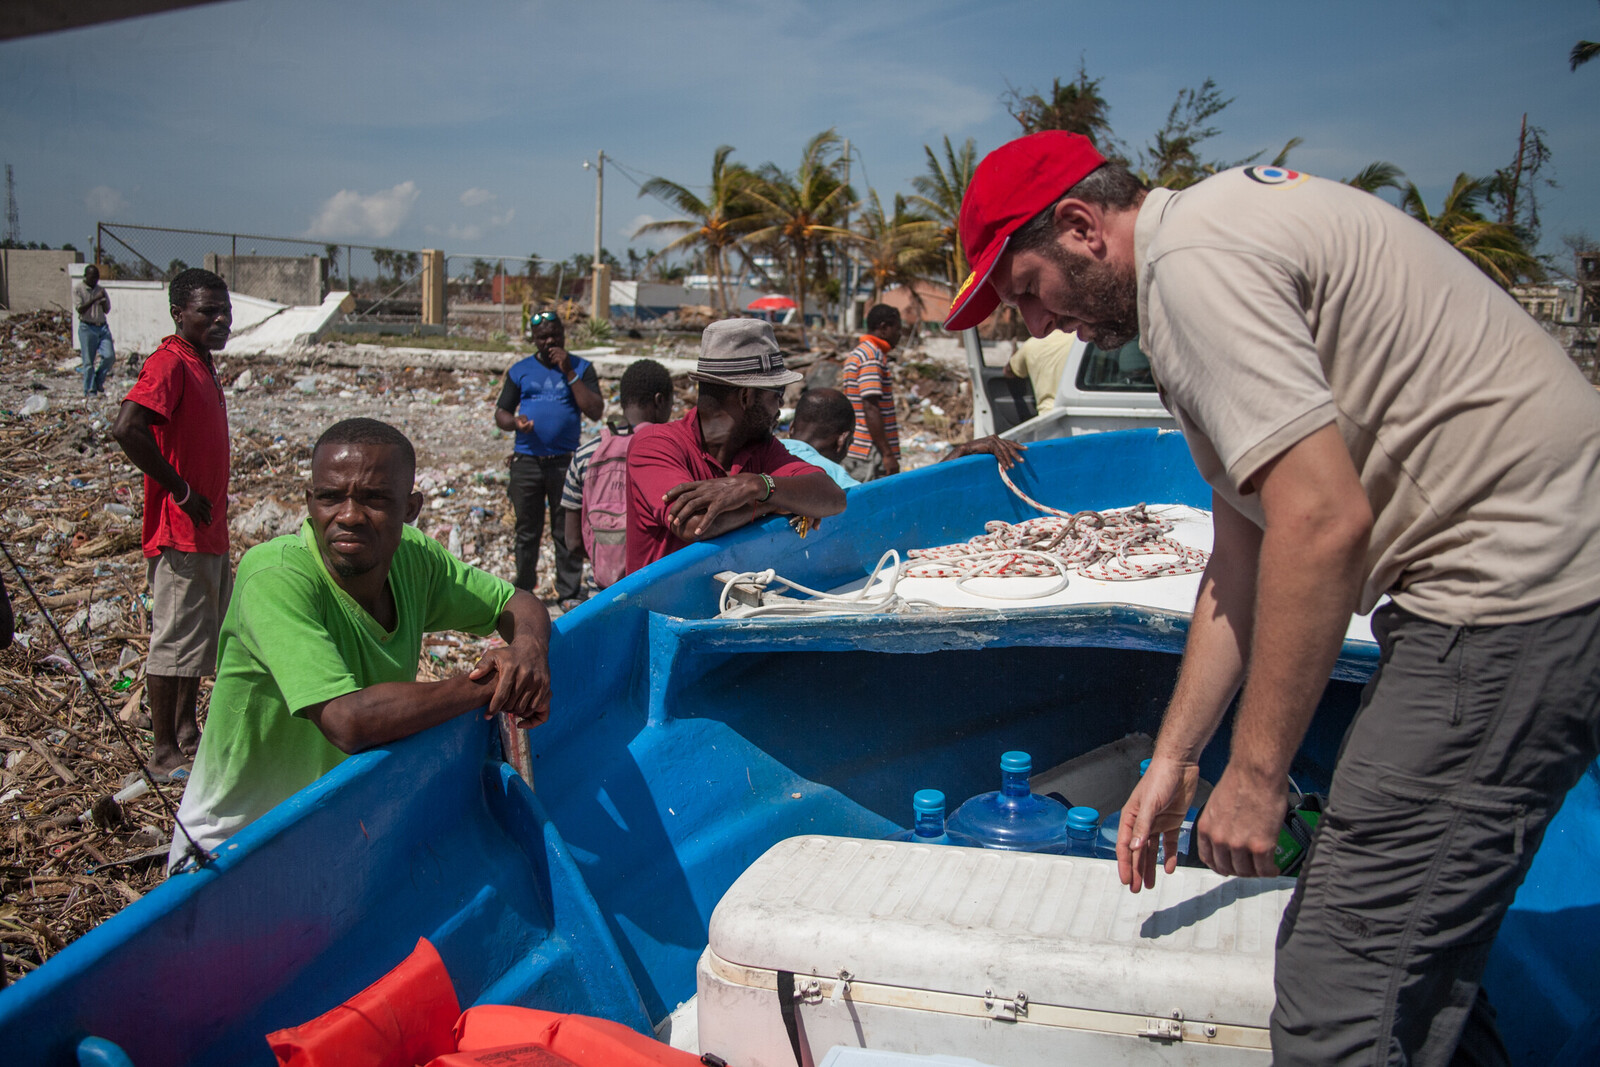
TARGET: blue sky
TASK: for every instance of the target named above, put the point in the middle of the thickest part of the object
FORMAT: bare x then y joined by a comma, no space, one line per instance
464,125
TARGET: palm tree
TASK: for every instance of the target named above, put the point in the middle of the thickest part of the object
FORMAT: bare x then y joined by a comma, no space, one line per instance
1076,107
939,193
1584,51
899,249
799,211
714,225
1493,247
1377,175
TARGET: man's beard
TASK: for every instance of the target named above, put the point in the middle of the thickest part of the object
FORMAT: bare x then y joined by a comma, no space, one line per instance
1106,295
351,570
758,425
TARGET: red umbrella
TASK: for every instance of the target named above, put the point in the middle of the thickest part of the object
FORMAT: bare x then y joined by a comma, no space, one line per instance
771,303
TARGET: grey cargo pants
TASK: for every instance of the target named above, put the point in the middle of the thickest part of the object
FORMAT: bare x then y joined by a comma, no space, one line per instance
1466,743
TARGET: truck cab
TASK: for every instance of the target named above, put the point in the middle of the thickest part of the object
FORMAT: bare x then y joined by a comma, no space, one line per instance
1100,389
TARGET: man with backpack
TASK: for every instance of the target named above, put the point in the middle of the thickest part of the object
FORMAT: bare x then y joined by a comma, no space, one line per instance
595,496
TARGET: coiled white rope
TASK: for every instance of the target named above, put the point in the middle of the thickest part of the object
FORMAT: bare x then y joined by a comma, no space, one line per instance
821,603
1119,545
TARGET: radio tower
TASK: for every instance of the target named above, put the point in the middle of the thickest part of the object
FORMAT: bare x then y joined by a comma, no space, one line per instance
13,228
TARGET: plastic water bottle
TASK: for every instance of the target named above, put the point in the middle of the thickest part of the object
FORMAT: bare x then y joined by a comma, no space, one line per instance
1083,832
928,827
1013,817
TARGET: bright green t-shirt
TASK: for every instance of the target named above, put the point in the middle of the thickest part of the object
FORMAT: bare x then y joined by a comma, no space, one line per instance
293,639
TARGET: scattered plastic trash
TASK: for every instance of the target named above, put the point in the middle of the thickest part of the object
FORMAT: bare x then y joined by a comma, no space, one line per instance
34,404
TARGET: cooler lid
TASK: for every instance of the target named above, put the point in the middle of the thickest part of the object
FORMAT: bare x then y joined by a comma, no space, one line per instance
1063,929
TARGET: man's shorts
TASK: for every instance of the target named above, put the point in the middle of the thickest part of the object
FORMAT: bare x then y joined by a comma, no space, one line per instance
866,468
190,593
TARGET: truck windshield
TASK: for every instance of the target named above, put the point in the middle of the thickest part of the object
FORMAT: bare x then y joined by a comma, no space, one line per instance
1122,369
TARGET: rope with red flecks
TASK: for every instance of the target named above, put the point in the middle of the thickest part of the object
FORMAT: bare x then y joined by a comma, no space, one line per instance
1125,544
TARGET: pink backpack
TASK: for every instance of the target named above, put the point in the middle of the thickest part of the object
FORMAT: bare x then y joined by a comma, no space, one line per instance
605,506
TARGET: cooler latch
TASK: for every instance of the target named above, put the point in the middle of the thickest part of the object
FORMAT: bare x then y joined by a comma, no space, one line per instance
1164,1029
1008,1010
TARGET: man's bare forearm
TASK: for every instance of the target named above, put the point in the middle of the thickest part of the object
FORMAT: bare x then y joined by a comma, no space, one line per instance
133,433
591,403
872,414
390,711
1308,587
524,623
1219,638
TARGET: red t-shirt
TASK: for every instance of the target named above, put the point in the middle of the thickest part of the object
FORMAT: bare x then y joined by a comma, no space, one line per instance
667,454
191,432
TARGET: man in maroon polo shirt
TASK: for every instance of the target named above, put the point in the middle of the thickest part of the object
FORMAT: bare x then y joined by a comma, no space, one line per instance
173,425
719,467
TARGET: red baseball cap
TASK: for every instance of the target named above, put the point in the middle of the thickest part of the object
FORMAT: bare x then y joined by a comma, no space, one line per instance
1013,184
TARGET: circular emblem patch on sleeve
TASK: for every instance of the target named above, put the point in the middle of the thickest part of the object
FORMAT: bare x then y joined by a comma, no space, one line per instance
1279,176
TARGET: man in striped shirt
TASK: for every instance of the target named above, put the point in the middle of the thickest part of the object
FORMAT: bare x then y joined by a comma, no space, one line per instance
875,450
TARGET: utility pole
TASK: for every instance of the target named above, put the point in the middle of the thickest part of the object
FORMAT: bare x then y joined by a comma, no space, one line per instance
846,297
13,227
600,284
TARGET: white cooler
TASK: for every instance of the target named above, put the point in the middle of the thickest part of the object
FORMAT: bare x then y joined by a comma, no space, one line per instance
1006,957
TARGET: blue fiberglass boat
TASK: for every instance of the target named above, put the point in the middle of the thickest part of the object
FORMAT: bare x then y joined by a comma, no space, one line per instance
680,749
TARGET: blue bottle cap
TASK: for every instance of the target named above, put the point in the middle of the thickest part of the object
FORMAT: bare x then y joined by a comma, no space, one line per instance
1082,818
928,801
1016,762
1144,765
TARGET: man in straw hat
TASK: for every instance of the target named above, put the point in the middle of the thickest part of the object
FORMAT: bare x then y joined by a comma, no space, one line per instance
719,467
1375,416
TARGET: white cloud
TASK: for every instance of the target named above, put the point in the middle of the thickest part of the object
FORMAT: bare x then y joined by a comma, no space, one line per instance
478,197
627,231
105,203
349,214
501,221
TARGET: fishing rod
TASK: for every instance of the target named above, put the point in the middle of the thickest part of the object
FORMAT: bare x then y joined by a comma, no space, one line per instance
194,851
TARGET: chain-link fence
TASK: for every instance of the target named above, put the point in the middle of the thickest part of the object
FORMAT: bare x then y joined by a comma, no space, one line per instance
493,295
384,281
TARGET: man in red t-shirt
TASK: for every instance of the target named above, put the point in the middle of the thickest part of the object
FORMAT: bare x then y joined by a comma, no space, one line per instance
173,425
719,467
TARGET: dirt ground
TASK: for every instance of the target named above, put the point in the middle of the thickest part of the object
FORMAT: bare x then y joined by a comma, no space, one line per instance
70,507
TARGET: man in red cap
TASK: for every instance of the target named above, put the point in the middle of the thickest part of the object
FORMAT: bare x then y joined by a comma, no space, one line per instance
1375,417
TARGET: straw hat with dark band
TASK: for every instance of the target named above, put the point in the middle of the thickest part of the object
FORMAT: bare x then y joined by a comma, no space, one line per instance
744,353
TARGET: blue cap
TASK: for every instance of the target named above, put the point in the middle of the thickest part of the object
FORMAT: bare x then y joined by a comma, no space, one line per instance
1018,762
1082,818
928,801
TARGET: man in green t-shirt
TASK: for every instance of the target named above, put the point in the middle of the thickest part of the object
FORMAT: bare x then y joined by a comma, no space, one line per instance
319,649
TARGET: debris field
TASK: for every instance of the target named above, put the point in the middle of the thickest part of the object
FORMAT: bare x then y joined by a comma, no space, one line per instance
71,854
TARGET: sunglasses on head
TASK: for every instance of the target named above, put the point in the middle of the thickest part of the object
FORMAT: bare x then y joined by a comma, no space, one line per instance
539,318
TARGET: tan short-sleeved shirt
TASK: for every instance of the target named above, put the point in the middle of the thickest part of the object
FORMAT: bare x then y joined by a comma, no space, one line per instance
1042,360
1273,303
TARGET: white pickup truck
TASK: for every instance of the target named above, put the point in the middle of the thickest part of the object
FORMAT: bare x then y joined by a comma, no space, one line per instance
1099,390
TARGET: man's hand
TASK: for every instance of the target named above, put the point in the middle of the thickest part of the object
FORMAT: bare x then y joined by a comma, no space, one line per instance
1154,812
891,465
523,423
560,359
694,506
1239,828
197,507
1007,453
521,678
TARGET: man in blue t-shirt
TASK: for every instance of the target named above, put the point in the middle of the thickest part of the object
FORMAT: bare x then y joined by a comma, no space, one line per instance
544,401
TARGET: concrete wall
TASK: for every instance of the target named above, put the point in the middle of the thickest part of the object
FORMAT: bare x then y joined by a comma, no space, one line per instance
33,279
287,280
141,317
